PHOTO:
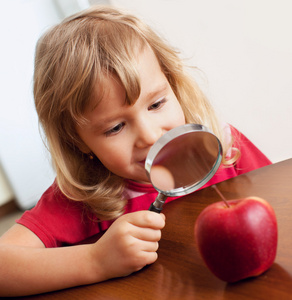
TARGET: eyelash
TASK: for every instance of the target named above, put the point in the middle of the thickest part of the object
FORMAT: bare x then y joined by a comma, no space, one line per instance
157,105
116,129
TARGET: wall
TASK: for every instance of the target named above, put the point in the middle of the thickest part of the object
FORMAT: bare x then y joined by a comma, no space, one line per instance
22,153
244,50
6,193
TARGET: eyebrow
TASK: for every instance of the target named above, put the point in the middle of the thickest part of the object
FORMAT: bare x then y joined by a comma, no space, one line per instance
102,124
160,88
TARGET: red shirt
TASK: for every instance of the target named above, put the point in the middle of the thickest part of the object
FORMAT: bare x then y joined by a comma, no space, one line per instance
59,221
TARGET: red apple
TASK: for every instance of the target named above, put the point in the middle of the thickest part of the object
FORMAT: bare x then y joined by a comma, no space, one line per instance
239,240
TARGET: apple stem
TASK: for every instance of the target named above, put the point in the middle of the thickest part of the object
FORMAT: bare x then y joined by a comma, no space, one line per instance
220,194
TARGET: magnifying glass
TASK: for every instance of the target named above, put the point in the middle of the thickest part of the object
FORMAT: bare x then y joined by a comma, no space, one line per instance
181,161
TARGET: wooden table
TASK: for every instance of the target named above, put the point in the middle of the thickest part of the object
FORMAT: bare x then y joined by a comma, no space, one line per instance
179,272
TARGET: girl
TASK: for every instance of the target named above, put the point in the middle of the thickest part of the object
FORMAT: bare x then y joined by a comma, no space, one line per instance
106,87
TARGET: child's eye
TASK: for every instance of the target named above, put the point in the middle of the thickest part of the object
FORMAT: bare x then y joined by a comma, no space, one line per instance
116,129
158,104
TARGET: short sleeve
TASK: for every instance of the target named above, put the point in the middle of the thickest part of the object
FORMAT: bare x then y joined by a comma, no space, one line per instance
59,221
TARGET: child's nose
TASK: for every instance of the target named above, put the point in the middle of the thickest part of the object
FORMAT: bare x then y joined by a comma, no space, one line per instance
147,134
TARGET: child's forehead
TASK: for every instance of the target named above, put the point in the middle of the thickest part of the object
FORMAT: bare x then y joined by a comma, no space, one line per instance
102,91
127,78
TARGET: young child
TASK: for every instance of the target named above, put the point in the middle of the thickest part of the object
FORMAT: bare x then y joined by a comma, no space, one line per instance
106,87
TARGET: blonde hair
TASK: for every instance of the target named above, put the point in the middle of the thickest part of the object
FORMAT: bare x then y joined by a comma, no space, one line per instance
74,56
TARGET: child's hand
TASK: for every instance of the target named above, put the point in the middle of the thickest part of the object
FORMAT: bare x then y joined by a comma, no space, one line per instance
129,244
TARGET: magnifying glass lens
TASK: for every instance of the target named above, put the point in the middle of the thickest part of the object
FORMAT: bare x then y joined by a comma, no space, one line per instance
183,160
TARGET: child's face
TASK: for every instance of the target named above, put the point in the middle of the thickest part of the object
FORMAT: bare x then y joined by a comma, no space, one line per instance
121,135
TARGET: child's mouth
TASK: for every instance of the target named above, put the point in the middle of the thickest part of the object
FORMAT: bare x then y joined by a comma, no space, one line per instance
142,162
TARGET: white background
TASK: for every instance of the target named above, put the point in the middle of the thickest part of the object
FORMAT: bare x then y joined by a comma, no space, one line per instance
244,50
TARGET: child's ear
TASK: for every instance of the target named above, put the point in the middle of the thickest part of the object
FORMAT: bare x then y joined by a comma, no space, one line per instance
83,148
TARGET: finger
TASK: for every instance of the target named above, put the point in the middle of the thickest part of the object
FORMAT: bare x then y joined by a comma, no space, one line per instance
146,234
147,219
163,216
150,257
151,246
146,258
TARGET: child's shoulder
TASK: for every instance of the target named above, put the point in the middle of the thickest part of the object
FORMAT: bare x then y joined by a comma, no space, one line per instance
58,220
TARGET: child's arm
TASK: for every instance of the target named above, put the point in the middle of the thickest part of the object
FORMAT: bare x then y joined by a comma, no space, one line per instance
27,267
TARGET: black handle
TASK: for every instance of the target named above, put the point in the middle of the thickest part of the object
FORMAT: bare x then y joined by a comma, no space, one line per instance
155,209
